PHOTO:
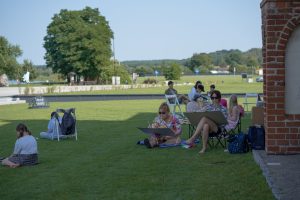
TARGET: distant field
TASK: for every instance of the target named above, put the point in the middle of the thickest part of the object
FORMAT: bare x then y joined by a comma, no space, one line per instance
225,83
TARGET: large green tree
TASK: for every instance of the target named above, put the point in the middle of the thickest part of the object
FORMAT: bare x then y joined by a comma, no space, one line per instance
172,72
27,66
8,58
198,60
114,69
78,41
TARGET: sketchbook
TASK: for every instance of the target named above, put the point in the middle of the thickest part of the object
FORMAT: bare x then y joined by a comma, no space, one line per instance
161,131
216,116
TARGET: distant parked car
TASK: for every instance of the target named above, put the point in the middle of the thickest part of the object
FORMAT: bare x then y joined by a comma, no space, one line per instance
260,79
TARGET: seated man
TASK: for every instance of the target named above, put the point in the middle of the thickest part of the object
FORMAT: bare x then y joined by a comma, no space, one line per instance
52,132
171,91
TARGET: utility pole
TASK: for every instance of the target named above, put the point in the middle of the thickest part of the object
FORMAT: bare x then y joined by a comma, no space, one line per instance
114,61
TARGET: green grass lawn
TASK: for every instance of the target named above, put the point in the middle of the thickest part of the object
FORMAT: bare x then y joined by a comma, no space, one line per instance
106,163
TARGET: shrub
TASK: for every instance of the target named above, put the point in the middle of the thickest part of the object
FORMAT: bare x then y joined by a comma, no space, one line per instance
150,81
51,89
27,90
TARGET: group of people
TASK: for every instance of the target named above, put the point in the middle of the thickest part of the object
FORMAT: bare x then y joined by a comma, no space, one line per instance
197,102
26,151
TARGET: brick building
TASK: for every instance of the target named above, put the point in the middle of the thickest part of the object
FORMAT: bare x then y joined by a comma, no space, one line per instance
281,65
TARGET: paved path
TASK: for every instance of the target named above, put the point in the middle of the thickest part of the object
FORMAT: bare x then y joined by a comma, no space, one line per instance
282,173
8,91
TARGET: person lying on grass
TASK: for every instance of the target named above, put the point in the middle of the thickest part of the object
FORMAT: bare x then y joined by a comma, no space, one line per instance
206,125
164,120
25,151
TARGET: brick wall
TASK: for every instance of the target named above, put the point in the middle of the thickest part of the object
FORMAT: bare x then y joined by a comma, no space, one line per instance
279,19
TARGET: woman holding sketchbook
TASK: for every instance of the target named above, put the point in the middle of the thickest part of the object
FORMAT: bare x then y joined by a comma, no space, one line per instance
164,120
206,125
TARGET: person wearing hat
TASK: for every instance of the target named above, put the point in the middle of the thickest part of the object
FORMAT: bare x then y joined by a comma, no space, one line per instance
171,91
194,90
197,105
199,90
199,101
212,88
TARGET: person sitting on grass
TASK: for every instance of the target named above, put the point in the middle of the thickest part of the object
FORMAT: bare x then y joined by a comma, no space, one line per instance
25,151
51,133
171,91
206,125
164,120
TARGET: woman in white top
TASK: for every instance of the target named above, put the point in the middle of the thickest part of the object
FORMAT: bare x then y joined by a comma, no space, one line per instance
194,90
25,151
53,127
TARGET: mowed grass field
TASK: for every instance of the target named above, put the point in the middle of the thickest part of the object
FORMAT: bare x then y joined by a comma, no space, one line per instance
106,163
229,84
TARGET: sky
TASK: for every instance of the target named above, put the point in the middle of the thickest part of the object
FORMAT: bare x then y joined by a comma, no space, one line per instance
143,29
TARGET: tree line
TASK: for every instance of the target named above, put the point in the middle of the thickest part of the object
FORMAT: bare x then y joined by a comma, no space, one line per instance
204,62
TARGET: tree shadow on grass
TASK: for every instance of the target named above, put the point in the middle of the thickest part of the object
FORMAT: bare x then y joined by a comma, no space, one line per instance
106,163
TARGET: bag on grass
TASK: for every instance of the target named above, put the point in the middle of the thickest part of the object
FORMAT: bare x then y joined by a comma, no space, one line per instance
67,124
238,143
256,136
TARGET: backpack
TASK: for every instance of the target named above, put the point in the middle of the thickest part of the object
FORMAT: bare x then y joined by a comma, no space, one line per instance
67,124
256,136
238,143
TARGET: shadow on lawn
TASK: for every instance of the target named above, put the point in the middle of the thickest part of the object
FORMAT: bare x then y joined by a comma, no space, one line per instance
93,132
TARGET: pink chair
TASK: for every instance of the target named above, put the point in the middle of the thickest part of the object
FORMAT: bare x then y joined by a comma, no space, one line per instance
223,102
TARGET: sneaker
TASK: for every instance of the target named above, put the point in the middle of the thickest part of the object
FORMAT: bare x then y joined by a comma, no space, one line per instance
147,143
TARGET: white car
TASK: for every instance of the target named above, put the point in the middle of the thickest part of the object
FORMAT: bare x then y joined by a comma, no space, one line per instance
260,79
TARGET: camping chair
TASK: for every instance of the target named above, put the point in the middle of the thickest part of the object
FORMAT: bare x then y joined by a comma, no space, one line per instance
218,138
238,128
214,138
58,126
173,102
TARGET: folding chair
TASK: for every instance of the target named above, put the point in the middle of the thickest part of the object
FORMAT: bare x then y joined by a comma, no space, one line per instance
237,129
246,100
173,102
218,138
58,126
214,138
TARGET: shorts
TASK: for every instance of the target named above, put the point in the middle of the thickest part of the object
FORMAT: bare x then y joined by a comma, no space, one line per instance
24,159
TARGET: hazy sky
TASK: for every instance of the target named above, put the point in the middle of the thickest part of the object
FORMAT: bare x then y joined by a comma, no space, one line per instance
143,29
